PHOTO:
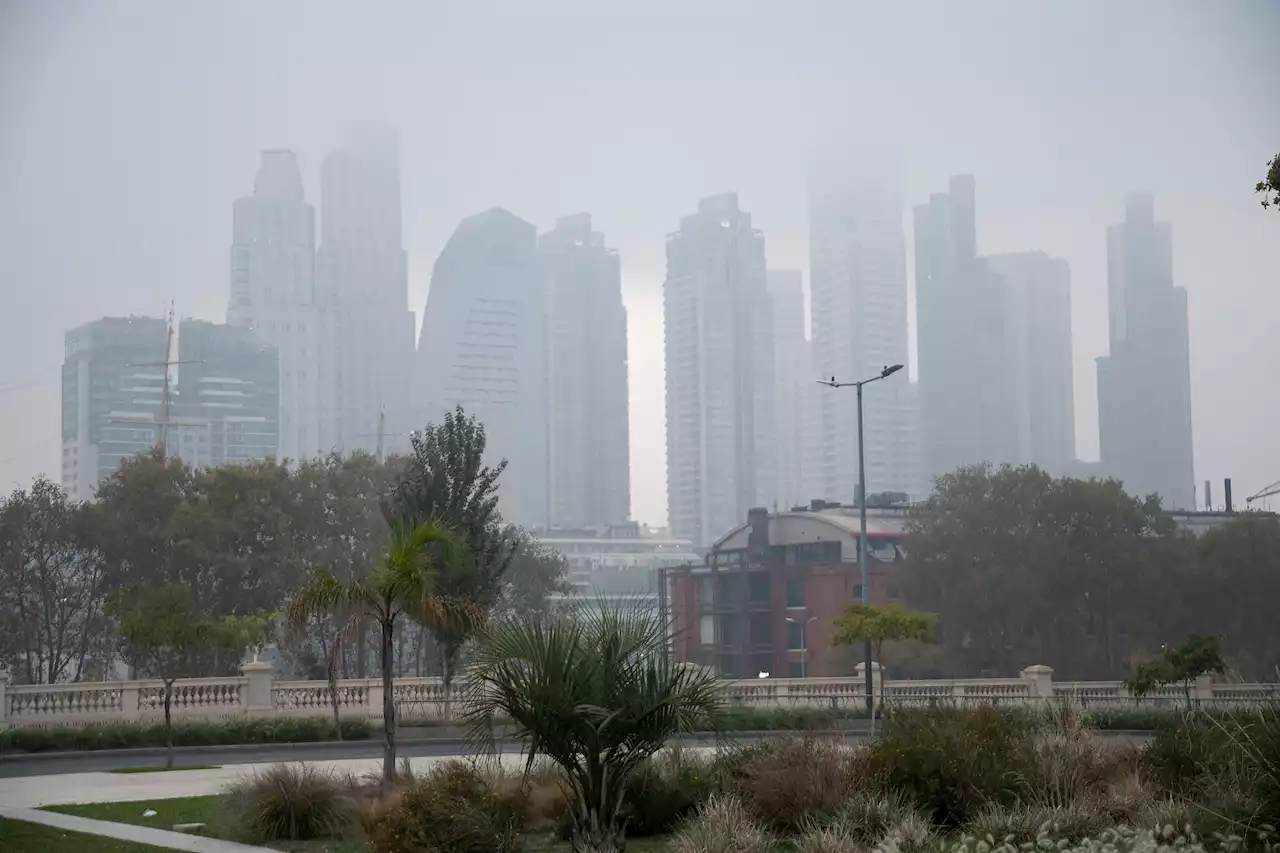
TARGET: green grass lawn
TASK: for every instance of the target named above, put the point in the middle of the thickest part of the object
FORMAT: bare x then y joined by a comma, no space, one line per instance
163,769
17,836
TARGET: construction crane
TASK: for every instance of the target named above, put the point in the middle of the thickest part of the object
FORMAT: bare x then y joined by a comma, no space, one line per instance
1267,491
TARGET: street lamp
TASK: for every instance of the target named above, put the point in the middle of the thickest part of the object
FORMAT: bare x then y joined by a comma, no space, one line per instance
862,511
804,643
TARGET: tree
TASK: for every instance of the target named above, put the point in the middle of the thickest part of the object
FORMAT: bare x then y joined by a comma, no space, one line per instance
1233,584
446,481
1180,665
875,623
538,573
167,636
1270,184
53,584
405,583
597,694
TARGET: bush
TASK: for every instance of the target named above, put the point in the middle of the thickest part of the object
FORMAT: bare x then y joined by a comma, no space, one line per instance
952,762
293,802
1020,824
869,822
1055,769
454,809
99,736
722,825
788,781
665,791
750,719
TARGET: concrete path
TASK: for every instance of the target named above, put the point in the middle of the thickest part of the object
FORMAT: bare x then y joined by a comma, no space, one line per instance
123,831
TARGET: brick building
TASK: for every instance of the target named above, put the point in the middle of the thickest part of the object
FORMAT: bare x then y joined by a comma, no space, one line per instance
764,598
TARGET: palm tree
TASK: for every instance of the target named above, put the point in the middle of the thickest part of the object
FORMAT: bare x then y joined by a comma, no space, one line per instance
598,694
403,583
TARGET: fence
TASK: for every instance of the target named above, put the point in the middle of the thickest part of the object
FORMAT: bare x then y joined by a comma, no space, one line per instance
257,693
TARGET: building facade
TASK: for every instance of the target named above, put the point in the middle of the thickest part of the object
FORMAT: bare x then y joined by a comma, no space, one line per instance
618,562
273,295
719,371
1037,291
1144,382
967,401
857,264
795,384
483,347
589,464
367,328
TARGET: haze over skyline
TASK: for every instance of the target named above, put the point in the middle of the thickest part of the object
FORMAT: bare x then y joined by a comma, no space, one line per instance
131,127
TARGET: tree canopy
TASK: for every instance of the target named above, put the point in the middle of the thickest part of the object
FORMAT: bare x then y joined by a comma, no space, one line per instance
1269,186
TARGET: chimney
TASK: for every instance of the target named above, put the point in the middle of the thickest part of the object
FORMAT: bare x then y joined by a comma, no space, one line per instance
1226,494
1208,495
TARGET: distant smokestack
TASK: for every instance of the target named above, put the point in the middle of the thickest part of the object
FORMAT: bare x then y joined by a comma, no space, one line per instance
1208,495
1226,490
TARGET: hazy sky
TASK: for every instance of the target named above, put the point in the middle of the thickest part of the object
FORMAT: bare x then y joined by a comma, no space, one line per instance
128,128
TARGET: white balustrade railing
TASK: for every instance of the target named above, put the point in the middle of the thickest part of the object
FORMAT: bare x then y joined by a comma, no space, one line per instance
257,693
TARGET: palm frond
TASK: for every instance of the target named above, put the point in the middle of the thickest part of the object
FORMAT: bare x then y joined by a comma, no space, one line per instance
322,593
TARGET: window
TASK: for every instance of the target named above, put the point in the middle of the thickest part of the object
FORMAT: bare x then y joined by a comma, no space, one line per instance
762,663
795,670
759,587
707,590
707,630
761,629
894,593
857,592
795,593
795,635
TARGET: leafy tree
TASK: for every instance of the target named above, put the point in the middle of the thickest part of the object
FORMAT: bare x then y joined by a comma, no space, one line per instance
876,623
1180,665
597,694
406,582
1231,588
537,575
447,482
1270,184
167,636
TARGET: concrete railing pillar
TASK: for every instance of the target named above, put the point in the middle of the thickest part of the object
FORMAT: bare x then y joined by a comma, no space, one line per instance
877,681
130,696
1039,680
257,693
1202,689
375,698
4,701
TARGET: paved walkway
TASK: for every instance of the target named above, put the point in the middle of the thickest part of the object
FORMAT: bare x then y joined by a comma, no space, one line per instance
123,831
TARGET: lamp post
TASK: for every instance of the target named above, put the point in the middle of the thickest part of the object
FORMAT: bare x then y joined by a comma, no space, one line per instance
804,643
862,511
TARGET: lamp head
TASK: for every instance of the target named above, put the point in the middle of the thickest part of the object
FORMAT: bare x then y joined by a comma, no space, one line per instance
890,370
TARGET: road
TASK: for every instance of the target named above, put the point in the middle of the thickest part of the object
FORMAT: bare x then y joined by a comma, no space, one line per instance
45,764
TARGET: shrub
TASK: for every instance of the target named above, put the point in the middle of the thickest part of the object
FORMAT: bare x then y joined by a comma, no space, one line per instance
787,781
453,809
722,825
99,736
869,816
950,761
1020,824
665,791
293,802
1057,768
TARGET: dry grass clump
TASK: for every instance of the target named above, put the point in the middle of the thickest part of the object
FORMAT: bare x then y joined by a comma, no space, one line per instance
722,825
786,782
293,802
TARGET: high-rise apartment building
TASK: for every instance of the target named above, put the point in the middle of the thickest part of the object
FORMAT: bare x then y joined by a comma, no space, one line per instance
483,346
362,282
273,294
223,404
1144,383
1038,298
795,384
588,451
719,371
857,264
967,398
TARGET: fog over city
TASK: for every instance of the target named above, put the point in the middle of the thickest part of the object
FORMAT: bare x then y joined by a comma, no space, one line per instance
129,129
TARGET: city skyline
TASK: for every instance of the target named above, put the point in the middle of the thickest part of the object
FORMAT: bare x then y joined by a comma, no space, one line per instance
137,216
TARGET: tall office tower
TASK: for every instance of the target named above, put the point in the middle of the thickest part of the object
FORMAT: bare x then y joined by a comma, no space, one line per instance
112,392
719,372
589,465
966,376
483,346
362,282
795,382
273,294
1144,384
229,379
857,264
1038,293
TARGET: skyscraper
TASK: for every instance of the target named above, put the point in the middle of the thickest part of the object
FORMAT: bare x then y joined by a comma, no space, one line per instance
273,294
719,372
966,376
483,346
362,282
795,381
1038,297
1144,383
589,479
857,260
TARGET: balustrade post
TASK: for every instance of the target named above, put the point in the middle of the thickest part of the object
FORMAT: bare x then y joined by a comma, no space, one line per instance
1039,680
4,702
130,701
375,698
1202,690
877,677
257,693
